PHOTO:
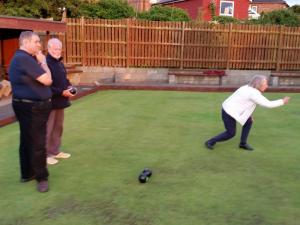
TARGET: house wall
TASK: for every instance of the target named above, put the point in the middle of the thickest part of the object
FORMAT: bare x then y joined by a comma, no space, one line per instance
193,7
206,11
267,7
240,8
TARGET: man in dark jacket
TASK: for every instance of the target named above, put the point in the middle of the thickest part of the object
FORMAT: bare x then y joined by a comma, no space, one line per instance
60,100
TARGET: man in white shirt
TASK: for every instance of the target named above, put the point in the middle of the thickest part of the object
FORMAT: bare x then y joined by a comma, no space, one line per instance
240,106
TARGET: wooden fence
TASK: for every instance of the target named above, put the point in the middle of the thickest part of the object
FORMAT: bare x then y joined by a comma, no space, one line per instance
135,43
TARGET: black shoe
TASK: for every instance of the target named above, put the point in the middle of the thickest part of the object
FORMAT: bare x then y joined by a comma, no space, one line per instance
209,145
24,180
246,147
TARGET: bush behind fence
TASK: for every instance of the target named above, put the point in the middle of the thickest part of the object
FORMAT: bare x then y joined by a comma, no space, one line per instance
137,43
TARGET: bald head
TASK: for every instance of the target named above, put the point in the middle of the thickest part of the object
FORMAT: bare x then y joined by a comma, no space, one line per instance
54,48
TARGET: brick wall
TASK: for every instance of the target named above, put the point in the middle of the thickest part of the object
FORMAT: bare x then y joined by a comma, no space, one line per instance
192,7
196,8
267,7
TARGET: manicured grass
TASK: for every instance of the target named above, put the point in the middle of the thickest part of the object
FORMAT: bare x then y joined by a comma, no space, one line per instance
113,135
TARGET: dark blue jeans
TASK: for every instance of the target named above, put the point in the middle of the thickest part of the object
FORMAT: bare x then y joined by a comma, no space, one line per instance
230,126
32,119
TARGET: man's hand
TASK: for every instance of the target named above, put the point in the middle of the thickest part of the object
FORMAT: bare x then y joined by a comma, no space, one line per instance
45,78
67,93
41,58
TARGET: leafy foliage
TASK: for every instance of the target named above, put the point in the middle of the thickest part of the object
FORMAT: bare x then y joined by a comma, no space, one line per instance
212,9
164,13
35,8
105,9
108,9
225,19
280,17
295,9
73,8
1,7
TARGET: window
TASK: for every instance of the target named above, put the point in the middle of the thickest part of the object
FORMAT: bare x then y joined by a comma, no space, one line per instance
252,12
226,8
254,8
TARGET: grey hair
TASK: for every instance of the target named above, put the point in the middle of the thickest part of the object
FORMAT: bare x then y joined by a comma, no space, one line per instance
256,81
26,35
54,41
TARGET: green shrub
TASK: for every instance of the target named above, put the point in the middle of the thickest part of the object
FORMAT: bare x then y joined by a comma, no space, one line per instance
225,19
108,9
164,13
40,8
104,9
295,9
280,17
31,9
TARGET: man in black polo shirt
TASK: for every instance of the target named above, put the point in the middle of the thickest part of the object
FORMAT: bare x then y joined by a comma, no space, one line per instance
30,79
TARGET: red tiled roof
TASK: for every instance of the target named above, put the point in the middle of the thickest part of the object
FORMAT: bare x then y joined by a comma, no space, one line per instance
21,23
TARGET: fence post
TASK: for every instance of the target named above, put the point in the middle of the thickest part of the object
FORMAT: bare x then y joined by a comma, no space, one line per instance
63,38
82,41
279,52
229,46
128,44
182,45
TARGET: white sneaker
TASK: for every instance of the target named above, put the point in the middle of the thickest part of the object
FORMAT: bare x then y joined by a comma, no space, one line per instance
51,161
62,155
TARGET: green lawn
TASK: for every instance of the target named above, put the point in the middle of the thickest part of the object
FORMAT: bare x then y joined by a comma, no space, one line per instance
113,135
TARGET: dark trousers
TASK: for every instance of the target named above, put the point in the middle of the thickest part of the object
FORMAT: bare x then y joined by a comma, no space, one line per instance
230,126
32,119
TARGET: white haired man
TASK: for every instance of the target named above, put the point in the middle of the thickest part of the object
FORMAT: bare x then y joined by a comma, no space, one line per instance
240,106
60,100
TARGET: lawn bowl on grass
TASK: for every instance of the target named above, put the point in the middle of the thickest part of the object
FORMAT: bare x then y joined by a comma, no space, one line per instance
145,175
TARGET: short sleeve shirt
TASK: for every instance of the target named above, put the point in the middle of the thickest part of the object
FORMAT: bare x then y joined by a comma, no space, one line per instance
23,73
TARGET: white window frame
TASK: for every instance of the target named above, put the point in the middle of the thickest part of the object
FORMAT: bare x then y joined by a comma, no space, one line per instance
227,14
254,8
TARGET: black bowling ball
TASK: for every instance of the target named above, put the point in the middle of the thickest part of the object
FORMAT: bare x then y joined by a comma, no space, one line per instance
147,172
73,90
143,178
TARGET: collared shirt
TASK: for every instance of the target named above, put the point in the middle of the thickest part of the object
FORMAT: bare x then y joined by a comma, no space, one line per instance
242,103
23,73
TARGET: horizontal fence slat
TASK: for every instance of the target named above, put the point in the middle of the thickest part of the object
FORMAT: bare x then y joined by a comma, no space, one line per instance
139,43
